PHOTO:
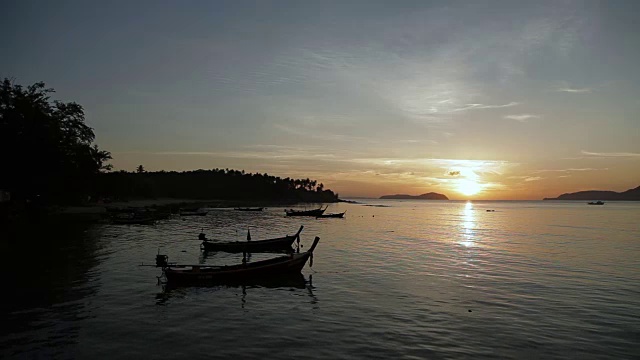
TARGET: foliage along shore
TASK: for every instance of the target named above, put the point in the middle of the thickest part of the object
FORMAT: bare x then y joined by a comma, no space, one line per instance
215,184
49,160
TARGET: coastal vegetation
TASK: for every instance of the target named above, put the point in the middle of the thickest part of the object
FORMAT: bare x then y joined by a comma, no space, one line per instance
48,157
223,184
46,149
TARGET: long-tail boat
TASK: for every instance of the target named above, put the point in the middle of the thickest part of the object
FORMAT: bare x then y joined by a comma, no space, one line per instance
279,244
249,209
336,215
314,212
205,274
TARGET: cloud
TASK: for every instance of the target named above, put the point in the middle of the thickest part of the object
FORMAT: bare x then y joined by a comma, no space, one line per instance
522,117
569,170
533,178
575,90
482,106
611,154
526,178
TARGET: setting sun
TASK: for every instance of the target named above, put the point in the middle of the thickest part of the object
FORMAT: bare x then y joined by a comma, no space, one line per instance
468,187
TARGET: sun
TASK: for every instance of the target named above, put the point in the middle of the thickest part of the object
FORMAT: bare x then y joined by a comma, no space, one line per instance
468,187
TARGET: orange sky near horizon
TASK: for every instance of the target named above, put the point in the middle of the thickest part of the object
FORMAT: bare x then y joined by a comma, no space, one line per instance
472,99
457,179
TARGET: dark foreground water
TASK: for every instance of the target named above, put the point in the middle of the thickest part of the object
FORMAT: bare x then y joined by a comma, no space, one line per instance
414,280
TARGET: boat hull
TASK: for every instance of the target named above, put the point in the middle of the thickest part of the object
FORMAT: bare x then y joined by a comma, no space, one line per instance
270,245
340,215
315,212
280,244
282,265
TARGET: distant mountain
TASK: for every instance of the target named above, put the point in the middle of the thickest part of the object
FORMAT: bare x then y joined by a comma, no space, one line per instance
629,195
427,196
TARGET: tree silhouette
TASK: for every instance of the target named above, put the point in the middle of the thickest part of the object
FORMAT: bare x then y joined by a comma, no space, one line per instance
210,184
140,169
46,149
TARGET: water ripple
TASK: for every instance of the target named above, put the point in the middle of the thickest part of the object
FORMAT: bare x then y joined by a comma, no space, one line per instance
408,280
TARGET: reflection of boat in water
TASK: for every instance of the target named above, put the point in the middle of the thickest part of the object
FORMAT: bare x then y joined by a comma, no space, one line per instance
596,203
295,281
268,245
336,215
249,209
314,212
176,274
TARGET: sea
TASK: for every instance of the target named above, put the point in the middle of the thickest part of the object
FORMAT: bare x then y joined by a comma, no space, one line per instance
394,279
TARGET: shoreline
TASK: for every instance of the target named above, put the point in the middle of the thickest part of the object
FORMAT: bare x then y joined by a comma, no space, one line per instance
169,204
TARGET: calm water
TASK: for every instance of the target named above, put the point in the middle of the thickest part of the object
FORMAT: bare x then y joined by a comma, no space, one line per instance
413,280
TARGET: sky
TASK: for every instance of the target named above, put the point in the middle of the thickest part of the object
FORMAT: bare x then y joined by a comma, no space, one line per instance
471,99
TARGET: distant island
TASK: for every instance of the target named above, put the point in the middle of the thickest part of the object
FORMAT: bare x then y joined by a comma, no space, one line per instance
629,195
427,196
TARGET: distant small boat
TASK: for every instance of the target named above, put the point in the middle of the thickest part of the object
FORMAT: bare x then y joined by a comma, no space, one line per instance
249,209
193,212
177,274
314,212
336,215
596,203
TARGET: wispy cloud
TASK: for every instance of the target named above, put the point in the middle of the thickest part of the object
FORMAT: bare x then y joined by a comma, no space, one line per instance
610,154
483,106
526,177
575,90
569,170
522,117
533,178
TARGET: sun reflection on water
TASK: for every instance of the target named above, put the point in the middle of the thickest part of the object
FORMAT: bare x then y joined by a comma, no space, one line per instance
468,225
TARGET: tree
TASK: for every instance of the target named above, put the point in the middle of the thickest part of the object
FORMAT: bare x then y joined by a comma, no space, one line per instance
46,149
140,169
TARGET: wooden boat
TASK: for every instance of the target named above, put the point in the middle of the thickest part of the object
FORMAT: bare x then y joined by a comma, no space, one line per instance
336,215
193,212
249,209
596,203
204,274
268,245
314,212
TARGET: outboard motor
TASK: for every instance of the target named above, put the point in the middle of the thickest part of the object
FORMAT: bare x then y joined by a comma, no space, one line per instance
202,236
162,261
